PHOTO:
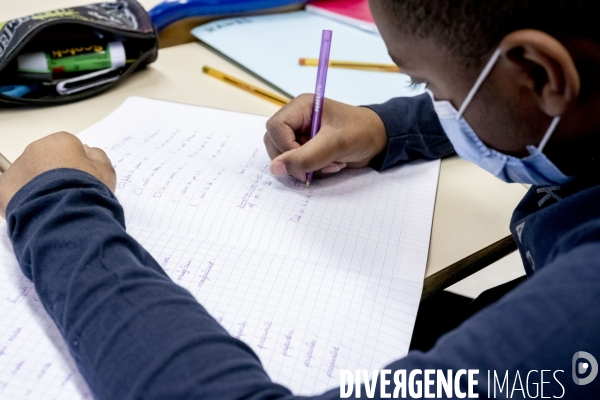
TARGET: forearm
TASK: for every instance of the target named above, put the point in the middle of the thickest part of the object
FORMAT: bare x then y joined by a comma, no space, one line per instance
413,130
136,334
132,332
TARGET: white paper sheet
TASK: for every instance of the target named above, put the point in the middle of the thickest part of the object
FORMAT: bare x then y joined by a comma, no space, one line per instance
314,280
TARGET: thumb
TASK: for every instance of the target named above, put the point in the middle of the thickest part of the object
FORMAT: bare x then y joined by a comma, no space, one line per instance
315,154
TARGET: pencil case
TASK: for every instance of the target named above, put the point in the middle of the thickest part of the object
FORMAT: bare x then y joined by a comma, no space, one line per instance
70,54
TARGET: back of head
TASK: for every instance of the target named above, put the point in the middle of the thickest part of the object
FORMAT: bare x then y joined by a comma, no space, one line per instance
471,29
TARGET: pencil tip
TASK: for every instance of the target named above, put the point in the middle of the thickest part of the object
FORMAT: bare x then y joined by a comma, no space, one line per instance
302,61
307,183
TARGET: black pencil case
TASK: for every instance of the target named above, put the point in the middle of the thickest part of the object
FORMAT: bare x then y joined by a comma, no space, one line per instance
81,50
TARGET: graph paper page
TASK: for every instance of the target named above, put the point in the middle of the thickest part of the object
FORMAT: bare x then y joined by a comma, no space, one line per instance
314,280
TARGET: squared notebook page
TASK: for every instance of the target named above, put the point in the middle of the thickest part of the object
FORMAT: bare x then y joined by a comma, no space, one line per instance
270,46
314,280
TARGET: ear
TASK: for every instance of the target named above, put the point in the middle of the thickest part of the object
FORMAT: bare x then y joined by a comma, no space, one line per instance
547,69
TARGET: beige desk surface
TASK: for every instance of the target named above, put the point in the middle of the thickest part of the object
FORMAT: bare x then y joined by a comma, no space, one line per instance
472,210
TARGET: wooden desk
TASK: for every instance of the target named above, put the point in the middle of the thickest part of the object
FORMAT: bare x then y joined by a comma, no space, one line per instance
472,211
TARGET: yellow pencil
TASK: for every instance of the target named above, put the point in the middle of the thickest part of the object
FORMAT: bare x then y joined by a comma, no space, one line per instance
272,97
4,164
313,62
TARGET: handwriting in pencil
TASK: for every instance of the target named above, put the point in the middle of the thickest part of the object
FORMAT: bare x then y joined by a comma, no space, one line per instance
184,270
204,276
309,353
240,331
253,185
334,354
244,166
23,290
303,205
288,342
263,338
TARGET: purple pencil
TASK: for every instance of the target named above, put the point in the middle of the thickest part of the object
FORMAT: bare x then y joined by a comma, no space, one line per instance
317,109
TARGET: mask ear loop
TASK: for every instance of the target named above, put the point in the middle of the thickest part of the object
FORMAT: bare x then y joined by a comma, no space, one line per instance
484,74
548,133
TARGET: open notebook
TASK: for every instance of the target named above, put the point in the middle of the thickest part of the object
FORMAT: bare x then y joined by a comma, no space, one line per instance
314,279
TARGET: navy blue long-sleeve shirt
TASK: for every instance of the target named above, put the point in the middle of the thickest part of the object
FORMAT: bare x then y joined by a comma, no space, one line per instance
135,334
414,132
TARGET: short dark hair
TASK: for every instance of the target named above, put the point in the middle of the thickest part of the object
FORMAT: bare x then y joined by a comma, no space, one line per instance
471,29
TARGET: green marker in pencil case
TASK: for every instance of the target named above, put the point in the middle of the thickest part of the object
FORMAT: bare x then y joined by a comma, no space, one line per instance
74,59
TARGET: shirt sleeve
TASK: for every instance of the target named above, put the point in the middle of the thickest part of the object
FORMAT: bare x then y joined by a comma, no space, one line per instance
413,129
135,334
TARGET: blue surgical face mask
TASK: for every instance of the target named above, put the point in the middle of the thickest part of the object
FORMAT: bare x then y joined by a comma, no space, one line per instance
535,169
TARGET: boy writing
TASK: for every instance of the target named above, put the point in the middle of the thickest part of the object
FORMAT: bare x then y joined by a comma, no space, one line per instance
513,87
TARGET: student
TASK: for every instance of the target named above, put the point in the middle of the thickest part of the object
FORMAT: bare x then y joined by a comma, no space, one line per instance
535,118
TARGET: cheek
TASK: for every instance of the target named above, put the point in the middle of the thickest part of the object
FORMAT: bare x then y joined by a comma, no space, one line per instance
451,82
494,129
505,119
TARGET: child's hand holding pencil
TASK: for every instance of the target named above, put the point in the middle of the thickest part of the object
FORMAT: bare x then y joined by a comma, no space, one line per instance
350,137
